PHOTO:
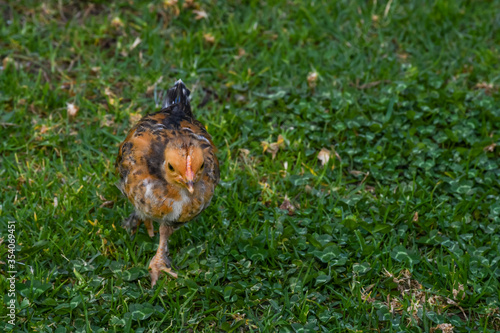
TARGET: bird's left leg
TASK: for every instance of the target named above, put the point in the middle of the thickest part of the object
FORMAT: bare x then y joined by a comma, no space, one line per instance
149,227
161,262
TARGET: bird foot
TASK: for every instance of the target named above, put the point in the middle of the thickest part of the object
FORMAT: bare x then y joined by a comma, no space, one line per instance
133,222
160,263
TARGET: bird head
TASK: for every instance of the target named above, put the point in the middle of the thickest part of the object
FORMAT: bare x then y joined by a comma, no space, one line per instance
183,165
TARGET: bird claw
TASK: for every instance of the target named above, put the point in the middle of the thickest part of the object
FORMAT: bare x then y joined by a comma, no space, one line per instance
159,265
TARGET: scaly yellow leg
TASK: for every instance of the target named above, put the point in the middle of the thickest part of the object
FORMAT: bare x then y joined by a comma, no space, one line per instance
161,262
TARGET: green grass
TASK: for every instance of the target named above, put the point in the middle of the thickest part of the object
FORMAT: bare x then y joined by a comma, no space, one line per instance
400,232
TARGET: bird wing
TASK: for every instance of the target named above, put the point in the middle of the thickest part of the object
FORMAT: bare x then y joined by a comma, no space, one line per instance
140,176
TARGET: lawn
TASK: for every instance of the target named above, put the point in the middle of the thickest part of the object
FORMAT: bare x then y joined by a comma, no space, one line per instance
359,144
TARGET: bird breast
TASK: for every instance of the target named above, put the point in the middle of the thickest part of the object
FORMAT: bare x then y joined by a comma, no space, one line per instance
164,203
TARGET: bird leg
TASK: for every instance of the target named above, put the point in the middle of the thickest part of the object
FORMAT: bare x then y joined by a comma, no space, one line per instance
149,227
161,262
133,222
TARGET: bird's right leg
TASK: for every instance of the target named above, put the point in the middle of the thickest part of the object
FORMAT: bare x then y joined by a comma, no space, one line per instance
132,223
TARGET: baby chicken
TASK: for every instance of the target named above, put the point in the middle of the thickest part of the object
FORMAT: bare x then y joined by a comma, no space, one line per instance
168,170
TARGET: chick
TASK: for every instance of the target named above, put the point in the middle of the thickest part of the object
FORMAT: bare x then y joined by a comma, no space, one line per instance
168,171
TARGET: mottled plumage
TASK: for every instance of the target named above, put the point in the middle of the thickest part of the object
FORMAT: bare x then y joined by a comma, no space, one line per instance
168,170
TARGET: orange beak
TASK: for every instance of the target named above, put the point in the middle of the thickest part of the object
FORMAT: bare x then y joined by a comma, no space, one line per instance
189,175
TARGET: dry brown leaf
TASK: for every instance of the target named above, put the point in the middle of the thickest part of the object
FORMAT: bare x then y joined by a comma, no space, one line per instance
137,41
241,53
287,205
134,117
244,152
209,38
189,4
116,22
487,87
169,3
402,55
458,291
200,14
356,173
366,294
445,328
312,77
108,92
324,156
109,204
171,6
490,148
238,316
71,109
415,217
108,120
273,147
6,61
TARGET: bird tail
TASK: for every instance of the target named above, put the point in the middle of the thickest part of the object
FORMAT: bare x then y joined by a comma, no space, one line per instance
178,94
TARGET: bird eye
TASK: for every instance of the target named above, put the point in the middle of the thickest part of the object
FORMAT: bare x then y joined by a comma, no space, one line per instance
170,167
202,166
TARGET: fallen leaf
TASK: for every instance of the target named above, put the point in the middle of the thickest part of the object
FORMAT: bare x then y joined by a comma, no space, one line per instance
189,4
116,22
71,109
200,14
137,41
171,5
415,217
134,118
209,38
445,328
487,87
109,204
402,55
287,205
273,147
241,53
244,152
42,129
324,156
108,92
490,148
356,172
312,77
458,291
238,317
6,61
